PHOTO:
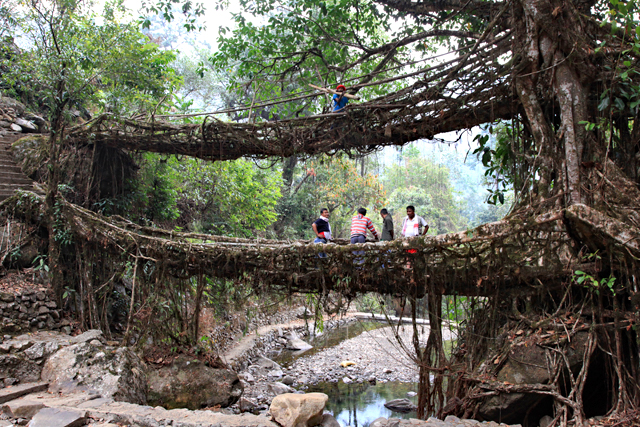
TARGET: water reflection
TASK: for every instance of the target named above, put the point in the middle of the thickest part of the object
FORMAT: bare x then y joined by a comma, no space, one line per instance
358,405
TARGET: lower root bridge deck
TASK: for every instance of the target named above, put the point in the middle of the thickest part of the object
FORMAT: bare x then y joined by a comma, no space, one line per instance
512,256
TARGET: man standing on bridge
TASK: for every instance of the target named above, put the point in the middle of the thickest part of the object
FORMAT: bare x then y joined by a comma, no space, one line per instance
387,226
412,224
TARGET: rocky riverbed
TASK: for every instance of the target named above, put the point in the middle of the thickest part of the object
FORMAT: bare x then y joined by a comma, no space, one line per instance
375,356
87,372
378,355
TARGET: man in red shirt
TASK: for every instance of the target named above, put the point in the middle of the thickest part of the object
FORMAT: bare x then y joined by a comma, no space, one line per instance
359,225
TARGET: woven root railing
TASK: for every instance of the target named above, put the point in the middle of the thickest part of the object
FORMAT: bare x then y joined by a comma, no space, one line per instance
510,256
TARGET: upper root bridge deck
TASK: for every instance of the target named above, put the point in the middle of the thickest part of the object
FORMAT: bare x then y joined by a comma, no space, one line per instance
362,128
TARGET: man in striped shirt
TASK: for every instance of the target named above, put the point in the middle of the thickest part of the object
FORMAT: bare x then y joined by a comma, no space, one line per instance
359,225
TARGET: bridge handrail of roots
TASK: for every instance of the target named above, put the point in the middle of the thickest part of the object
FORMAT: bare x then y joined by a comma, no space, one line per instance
472,262
435,101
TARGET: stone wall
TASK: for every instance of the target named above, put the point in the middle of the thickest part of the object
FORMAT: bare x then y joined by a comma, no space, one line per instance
29,310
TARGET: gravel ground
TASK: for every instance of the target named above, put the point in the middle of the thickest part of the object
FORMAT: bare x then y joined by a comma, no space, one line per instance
376,357
376,354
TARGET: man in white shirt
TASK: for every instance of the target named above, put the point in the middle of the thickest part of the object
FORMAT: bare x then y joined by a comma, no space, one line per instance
412,224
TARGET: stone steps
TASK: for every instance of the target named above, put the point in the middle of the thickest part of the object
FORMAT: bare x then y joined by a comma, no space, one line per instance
14,392
11,176
104,410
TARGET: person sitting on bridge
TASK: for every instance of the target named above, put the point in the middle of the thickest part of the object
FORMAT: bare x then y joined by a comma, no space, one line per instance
412,226
339,100
322,228
359,225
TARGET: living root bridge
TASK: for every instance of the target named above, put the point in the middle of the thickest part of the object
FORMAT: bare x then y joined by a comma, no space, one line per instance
509,257
363,128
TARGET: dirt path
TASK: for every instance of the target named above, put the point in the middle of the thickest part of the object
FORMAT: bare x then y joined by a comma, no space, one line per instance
238,351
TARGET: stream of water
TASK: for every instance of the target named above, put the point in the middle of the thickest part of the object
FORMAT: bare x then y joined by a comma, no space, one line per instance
355,405
358,405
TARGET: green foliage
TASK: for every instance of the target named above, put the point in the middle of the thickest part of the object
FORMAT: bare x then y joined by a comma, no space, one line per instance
455,308
370,303
328,182
8,19
99,62
62,233
166,8
498,157
594,284
40,263
416,180
160,195
68,293
620,95
204,87
15,253
278,47
234,198
337,185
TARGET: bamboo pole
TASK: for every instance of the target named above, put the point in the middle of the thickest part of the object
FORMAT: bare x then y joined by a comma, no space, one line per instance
324,89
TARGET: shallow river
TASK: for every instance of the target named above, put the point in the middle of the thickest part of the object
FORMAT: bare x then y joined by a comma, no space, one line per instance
358,405
355,405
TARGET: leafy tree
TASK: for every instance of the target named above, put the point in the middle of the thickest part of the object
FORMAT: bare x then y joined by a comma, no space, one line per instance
156,195
327,182
236,198
103,63
73,61
418,181
189,12
342,189
281,46
203,88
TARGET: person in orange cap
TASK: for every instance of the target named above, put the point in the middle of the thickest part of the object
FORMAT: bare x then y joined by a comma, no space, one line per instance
339,100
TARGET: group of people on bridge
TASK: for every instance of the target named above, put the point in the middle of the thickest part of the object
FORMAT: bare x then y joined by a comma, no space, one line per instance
412,226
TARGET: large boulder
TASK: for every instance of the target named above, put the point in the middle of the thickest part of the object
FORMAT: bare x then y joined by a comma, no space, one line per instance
189,383
279,388
11,105
263,367
23,357
17,369
116,373
298,410
527,365
26,125
294,343
400,405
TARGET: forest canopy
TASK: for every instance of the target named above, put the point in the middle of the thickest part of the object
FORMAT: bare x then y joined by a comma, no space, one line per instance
549,90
